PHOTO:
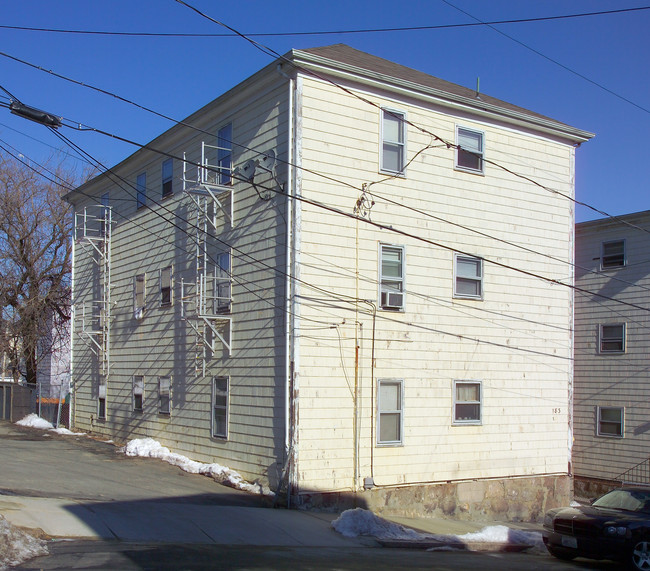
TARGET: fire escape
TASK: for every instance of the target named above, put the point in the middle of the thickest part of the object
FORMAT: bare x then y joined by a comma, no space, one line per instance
93,235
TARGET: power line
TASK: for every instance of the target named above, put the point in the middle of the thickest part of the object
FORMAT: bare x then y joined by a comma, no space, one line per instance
324,32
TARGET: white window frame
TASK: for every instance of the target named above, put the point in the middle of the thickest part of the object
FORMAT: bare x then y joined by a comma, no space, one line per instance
600,422
457,402
225,408
392,298
602,339
604,257
399,145
101,399
479,279
478,153
141,190
139,298
223,282
167,178
224,155
381,412
166,285
165,396
138,391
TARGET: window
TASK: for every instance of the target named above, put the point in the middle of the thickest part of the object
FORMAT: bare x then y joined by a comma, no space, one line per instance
139,296
612,338
105,216
223,280
393,139
101,400
468,277
467,402
469,151
612,254
141,189
391,277
224,155
164,395
138,393
610,421
390,411
167,177
220,407
166,286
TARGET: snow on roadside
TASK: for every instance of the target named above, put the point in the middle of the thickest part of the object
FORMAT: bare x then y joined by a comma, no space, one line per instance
34,421
355,522
150,448
17,546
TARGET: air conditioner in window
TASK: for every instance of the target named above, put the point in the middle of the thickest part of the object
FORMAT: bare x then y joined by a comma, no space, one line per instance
392,300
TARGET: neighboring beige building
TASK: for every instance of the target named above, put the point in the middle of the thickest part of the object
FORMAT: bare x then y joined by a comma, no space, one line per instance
612,345
340,302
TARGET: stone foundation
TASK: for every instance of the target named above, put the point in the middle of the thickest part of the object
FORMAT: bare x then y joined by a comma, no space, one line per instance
524,499
591,488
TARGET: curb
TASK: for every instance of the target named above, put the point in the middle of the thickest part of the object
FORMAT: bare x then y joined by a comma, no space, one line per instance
433,544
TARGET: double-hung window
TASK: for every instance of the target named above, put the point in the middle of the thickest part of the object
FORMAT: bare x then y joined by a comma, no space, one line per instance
220,407
223,283
469,150
141,190
101,399
390,411
224,155
612,254
391,277
139,296
610,421
138,393
612,338
467,402
393,140
167,177
164,395
166,286
468,277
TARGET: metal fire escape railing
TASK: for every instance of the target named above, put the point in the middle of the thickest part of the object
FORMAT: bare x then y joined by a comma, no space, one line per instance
639,474
206,300
93,234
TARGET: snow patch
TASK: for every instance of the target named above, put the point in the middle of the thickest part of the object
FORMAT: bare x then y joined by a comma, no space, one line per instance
34,421
67,432
17,546
150,448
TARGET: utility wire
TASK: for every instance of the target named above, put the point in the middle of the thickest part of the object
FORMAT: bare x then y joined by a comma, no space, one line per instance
324,32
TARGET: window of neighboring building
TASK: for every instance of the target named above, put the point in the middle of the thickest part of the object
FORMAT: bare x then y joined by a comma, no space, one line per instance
393,140
224,155
467,402
389,411
220,407
469,151
164,395
138,393
141,189
167,177
166,286
612,338
468,277
612,254
139,296
223,283
610,421
391,277
101,400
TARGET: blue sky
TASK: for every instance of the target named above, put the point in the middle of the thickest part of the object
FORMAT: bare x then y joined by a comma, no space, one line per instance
178,75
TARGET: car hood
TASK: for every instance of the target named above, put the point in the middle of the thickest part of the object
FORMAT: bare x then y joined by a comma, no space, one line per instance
600,514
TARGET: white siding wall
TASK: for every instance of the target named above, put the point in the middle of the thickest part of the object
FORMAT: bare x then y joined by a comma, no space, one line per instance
516,341
615,379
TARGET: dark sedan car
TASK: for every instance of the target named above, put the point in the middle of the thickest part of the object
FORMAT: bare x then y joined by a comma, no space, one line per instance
615,526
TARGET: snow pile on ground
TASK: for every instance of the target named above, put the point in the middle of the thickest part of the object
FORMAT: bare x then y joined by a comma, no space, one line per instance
355,522
34,421
17,546
150,448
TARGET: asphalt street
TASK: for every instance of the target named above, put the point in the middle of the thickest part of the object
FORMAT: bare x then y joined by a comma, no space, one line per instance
102,510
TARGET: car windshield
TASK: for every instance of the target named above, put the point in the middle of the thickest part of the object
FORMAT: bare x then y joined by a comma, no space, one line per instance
628,500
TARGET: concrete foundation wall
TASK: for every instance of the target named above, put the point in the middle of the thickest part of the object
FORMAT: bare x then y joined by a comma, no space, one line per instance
523,499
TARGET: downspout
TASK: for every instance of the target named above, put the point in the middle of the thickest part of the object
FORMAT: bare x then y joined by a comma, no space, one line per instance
73,399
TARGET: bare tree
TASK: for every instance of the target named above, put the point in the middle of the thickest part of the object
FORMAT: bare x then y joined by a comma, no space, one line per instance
35,256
